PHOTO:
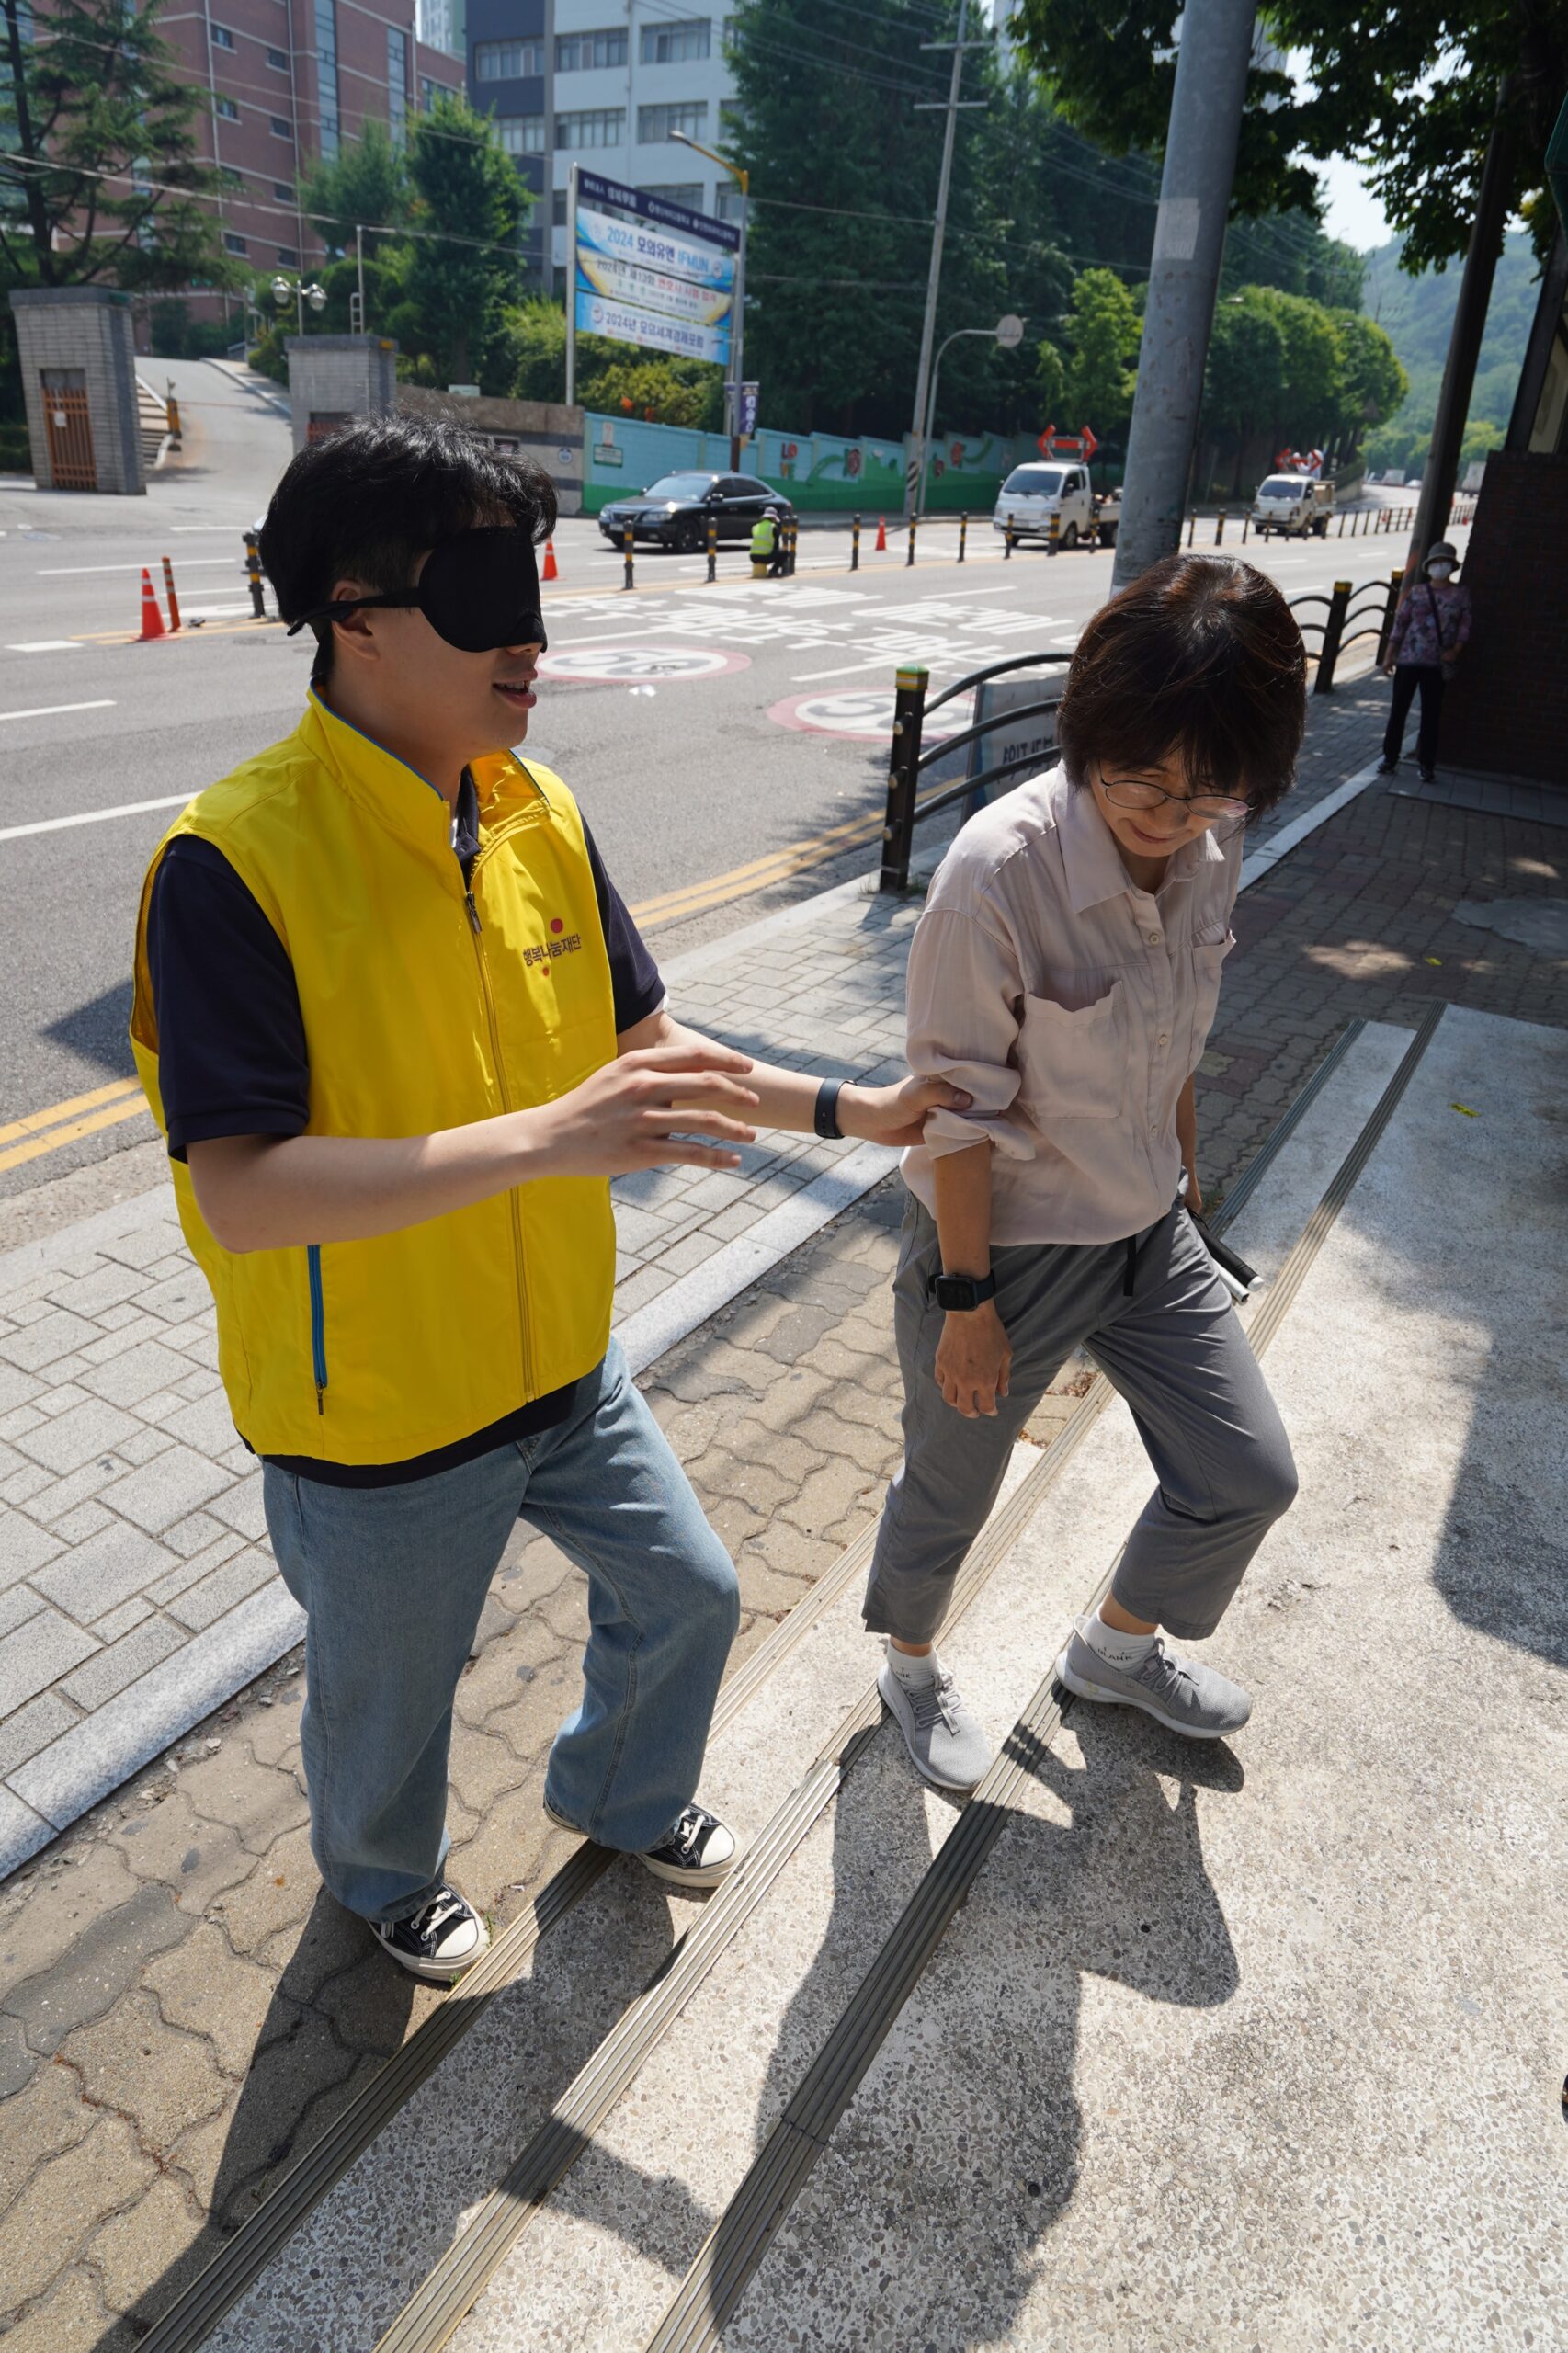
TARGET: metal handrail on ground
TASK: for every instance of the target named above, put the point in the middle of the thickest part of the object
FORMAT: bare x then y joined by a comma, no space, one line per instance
1333,637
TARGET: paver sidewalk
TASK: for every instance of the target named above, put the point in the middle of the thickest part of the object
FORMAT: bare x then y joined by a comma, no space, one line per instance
182,2012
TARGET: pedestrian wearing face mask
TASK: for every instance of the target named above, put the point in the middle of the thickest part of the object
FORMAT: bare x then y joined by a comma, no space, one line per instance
1430,627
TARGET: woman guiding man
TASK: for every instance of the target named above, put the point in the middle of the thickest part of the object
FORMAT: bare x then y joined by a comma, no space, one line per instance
1064,974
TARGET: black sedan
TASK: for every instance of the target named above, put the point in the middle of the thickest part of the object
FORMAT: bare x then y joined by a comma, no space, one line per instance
673,511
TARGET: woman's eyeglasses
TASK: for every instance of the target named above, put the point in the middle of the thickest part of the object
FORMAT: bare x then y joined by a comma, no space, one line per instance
1211,807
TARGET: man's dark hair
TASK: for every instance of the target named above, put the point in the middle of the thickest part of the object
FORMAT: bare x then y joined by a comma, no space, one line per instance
368,501
1200,657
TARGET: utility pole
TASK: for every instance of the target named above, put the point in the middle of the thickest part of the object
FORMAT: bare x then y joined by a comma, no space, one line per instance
951,107
1464,337
1212,59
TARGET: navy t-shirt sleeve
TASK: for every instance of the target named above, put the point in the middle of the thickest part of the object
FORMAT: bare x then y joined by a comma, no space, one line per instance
634,976
232,1058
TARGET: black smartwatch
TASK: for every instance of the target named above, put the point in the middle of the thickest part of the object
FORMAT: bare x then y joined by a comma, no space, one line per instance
960,1294
825,1119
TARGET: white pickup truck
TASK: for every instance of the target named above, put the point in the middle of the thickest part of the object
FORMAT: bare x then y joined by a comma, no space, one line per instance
1293,503
1033,493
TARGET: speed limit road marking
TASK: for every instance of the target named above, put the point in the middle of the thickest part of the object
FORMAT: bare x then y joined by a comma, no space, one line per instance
866,716
639,665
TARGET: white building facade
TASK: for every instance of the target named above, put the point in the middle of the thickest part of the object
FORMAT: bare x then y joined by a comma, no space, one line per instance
605,84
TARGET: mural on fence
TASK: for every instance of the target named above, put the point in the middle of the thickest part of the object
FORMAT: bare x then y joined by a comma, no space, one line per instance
817,470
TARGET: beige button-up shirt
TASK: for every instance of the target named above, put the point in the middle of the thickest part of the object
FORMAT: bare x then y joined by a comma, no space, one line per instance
1072,1006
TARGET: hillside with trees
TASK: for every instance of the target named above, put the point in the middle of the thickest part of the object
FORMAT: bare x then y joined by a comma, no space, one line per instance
1418,315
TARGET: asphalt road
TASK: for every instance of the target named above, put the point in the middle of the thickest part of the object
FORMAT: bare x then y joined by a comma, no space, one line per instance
714,734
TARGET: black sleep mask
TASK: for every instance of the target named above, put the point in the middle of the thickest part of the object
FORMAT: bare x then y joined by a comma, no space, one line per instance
479,590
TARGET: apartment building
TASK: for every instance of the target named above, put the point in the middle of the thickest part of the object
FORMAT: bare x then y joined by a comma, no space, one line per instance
605,83
288,81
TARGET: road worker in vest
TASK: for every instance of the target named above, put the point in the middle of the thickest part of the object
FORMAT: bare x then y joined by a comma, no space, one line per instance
766,546
401,1031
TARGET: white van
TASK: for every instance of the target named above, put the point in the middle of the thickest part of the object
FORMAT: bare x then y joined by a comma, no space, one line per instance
1294,503
1033,493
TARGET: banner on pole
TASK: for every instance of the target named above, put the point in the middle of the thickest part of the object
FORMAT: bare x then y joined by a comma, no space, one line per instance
652,273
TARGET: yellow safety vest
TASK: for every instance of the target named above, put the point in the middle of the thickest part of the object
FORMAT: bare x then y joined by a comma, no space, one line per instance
421,1012
764,531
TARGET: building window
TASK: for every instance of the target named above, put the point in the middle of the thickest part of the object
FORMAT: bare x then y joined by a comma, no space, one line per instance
686,192
655,124
228,110
226,172
397,85
596,127
287,255
281,128
221,36
278,60
727,205
521,134
506,61
232,244
575,52
326,76
676,44
558,208
428,89
282,191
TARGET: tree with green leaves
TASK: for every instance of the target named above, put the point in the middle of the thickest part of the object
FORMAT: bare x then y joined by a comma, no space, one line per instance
1245,374
1411,91
100,159
365,185
844,166
467,206
1101,332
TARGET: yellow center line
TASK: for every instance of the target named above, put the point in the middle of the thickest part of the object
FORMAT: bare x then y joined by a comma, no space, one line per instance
52,1142
57,1111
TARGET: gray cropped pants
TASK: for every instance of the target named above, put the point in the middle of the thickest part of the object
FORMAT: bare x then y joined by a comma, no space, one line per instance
1174,1349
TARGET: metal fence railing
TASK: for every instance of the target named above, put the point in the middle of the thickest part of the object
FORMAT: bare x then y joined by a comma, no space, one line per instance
1344,606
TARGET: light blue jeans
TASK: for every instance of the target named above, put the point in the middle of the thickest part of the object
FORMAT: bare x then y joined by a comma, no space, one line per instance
392,1581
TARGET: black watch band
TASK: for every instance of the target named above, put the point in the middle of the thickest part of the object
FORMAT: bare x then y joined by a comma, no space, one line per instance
960,1294
825,1119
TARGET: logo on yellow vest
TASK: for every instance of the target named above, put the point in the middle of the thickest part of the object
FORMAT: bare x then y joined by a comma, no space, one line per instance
556,946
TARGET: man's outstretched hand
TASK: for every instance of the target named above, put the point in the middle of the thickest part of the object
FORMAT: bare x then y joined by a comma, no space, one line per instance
649,1109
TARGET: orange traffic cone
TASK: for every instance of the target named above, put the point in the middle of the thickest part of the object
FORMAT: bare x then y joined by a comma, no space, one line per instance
881,537
152,619
551,569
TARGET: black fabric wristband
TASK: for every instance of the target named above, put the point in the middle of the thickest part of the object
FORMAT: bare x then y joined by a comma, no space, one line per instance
825,1119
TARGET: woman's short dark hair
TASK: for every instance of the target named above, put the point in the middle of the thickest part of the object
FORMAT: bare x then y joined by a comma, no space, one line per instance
1200,657
365,504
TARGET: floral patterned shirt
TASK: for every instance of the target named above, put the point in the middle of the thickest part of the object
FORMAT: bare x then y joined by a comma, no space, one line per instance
1432,623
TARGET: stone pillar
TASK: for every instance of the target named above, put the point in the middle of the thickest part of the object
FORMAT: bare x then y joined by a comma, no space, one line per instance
333,378
78,367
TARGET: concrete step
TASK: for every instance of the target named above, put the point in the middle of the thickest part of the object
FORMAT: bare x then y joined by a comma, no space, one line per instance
1262,2045
591,2262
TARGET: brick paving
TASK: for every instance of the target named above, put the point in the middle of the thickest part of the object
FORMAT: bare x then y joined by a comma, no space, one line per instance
181,2010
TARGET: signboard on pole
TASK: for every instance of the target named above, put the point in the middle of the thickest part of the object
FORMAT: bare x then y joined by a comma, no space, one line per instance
652,273
1083,444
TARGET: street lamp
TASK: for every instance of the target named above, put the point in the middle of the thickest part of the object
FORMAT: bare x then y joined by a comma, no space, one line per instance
1007,333
282,288
737,339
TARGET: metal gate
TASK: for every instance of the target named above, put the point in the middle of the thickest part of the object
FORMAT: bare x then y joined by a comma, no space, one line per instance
70,430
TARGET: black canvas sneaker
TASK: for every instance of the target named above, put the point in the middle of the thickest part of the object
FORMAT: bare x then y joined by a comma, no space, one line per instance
444,1937
698,1852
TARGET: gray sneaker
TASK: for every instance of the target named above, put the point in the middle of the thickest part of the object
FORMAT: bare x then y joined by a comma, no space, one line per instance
1177,1692
945,1741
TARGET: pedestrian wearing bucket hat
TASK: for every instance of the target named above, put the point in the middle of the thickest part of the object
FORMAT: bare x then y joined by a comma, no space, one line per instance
1429,629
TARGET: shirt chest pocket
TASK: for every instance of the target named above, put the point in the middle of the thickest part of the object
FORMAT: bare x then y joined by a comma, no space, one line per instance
1073,1064
1208,965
